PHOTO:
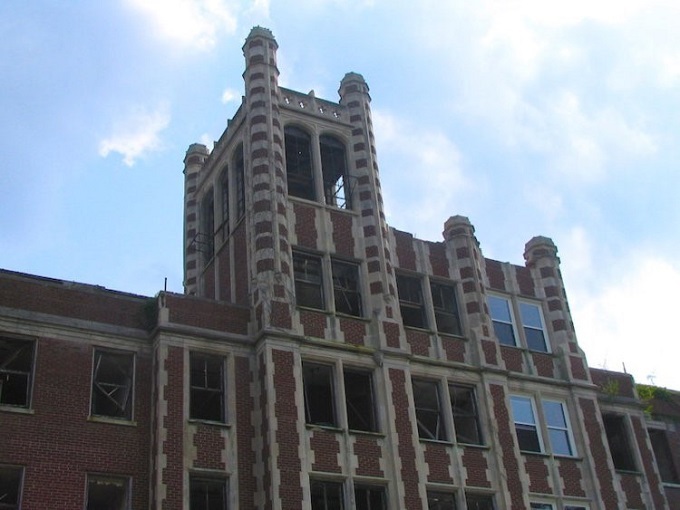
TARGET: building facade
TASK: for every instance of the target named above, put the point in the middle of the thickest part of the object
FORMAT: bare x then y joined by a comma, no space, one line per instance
318,359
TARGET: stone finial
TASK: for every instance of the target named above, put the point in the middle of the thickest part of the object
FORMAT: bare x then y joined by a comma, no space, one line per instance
458,225
352,83
261,32
539,247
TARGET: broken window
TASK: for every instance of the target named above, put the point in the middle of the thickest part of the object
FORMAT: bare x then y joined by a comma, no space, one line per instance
370,497
663,455
16,366
319,394
224,186
207,494
445,308
10,487
619,445
308,280
557,422
299,163
112,383
334,169
346,288
532,322
207,235
326,495
441,501
502,318
359,400
411,301
207,387
240,178
428,410
465,414
526,426
108,493
479,501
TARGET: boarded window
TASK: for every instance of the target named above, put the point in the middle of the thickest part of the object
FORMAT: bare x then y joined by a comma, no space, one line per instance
207,387
16,367
112,384
299,168
334,169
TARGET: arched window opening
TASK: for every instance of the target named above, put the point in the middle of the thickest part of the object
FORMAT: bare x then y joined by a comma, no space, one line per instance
334,169
206,236
299,163
239,176
224,186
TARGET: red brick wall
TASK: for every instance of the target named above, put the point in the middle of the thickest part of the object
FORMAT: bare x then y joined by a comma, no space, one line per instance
391,333
224,277
419,341
474,460
209,445
192,311
172,474
572,477
241,273
525,281
305,226
539,476
404,249
630,483
342,233
513,358
369,454
245,433
59,446
326,450
494,270
647,456
438,260
438,462
313,323
544,363
354,330
454,348
208,278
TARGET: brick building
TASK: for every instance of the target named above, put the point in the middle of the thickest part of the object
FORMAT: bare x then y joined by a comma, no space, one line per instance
318,359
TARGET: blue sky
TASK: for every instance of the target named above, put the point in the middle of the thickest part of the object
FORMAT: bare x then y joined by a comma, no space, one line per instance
529,117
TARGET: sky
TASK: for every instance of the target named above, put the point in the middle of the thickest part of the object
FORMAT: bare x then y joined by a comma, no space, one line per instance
529,117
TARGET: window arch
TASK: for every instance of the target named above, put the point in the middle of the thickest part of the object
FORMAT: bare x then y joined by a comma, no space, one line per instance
299,168
334,169
238,165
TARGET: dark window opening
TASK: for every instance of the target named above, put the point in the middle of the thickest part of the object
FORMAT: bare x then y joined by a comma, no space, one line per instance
428,410
479,502
224,185
445,308
207,238
465,414
10,487
299,163
541,506
207,387
619,445
525,424
501,317
112,384
411,301
319,394
334,169
240,178
663,455
308,281
440,501
107,493
359,400
16,365
370,497
326,495
346,288
207,494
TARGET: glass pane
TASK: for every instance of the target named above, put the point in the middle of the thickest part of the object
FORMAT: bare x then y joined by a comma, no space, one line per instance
535,339
479,502
359,401
522,410
319,394
440,501
559,441
10,483
505,333
527,437
500,309
541,506
531,315
554,414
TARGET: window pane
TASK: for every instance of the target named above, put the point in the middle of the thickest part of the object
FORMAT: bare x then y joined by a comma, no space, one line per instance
428,410
531,315
440,501
16,362
500,310
207,387
505,333
369,498
465,418
112,384
319,395
299,163
445,308
559,441
535,339
619,446
346,288
334,169
107,493
308,281
522,410
527,438
208,494
479,502
326,495
359,400
554,414
411,301
10,486
541,506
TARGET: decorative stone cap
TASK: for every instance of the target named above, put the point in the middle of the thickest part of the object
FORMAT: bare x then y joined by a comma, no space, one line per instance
539,247
352,77
458,225
259,31
196,153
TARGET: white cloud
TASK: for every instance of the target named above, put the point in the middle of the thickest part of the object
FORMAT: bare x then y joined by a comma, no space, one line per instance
136,134
230,95
195,23
429,170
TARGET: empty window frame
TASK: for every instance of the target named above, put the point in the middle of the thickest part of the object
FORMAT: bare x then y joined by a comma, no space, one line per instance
619,443
10,487
429,416
308,280
359,400
479,501
326,495
445,308
663,455
207,400
16,371
441,500
207,239
411,301
112,384
319,394
533,326
370,497
299,168
224,188
238,164
541,506
346,290
465,414
207,493
334,169
557,423
502,318
526,425
108,492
